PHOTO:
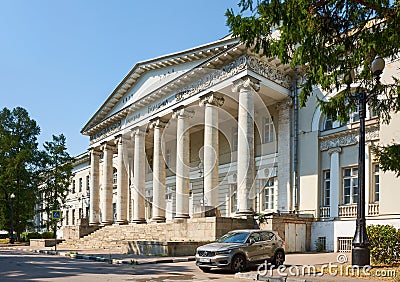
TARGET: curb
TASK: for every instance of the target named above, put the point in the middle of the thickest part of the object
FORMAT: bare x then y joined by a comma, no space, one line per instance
258,277
103,259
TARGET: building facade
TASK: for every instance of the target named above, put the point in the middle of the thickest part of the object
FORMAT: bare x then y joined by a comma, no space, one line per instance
215,130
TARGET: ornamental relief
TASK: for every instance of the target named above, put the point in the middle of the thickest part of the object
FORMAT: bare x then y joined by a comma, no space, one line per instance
242,63
115,127
347,138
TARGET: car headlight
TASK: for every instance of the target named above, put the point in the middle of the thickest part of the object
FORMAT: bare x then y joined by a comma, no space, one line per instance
224,252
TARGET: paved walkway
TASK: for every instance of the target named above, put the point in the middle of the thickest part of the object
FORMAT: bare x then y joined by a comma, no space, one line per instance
292,260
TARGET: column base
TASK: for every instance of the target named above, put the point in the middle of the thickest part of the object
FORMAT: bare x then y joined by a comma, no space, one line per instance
139,221
94,223
182,216
121,222
243,213
158,219
104,223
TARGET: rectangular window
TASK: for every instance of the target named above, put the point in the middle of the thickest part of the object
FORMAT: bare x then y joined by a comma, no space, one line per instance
268,130
269,194
376,182
167,158
350,185
234,140
327,188
328,123
87,182
115,175
354,115
80,184
73,186
234,198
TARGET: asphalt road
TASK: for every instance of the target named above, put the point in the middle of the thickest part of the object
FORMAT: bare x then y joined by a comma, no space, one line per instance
21,266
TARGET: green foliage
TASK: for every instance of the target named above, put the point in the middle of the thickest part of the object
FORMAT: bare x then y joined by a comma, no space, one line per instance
18,167
26,236
385,243
48,235
326,41
389,157
319,247
56,174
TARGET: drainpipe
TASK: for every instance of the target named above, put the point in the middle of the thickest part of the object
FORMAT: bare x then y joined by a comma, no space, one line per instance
295,145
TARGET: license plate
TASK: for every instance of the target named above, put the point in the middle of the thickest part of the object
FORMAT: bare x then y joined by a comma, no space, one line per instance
205,260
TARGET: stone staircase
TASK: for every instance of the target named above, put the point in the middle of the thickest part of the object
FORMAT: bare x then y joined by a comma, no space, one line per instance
117,237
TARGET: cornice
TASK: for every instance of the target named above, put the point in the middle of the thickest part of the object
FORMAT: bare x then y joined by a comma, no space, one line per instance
348,137
196,81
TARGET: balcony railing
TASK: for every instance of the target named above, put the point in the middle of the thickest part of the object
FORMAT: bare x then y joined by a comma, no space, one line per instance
373,209
348,211
351,210
324,212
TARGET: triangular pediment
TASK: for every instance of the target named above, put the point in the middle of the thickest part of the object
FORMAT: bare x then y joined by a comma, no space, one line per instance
151,75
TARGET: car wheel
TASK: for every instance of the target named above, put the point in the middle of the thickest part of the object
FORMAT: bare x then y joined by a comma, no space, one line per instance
205,269
279,258
238,263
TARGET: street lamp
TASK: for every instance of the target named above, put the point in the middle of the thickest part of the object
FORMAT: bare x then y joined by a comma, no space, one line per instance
12,197
360,253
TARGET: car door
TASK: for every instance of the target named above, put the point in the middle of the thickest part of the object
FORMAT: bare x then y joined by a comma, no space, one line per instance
268,240
255,248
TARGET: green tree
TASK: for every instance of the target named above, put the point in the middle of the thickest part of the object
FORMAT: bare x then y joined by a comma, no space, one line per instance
18,167
56,174
327,41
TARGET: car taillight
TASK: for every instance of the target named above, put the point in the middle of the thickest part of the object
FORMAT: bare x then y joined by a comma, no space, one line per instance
283,243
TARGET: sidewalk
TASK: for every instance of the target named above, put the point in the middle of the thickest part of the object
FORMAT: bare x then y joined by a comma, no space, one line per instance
101,255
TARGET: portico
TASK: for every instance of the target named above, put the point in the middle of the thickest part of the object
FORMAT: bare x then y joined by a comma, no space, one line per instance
179,128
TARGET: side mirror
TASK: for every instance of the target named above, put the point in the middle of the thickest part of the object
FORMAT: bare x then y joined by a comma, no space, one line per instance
251,241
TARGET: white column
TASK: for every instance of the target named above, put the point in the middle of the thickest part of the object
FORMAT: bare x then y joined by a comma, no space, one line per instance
182,162
122,185
334,181
139,174
158,171
284,156
245,155
368,170
106,196
94,188
211,150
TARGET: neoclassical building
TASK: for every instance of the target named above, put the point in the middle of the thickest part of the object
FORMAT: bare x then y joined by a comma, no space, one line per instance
216,131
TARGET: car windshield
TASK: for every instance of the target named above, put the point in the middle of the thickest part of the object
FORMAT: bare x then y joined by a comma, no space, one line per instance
239,237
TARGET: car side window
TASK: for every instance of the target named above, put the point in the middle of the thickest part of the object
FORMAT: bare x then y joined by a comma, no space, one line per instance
267,236
255,237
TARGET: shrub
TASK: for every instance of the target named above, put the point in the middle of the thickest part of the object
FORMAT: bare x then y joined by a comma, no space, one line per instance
26,236
48,235
385,243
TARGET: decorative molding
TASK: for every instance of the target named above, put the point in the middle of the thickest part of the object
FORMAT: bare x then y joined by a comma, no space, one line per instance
212,99
158,123
347,138
284,104
182,112
242,63
246,83
334,150
139,131
105,132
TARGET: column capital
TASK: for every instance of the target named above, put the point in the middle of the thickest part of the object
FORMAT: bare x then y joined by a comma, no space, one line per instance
158,123
107,146
182,112
284,104
212,99
95,151
247,83
334,150
139,131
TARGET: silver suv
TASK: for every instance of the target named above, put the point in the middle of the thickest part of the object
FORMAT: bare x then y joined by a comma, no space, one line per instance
239,248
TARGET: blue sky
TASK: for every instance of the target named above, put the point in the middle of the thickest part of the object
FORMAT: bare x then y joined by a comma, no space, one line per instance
61,59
